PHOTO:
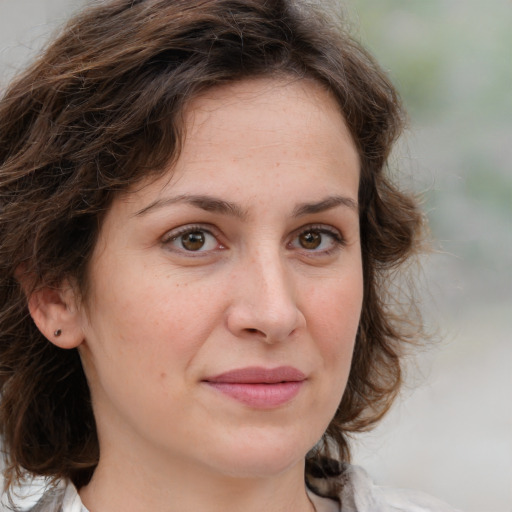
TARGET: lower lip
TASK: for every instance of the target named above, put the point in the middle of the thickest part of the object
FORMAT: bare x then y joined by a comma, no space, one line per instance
260,396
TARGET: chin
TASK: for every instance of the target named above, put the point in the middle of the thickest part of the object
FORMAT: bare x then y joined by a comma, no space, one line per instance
246,467
261,455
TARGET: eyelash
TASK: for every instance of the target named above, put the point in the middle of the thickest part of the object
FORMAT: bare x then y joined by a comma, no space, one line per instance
176,234
336,237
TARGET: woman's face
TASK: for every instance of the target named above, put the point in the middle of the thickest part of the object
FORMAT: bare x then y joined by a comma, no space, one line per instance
225,296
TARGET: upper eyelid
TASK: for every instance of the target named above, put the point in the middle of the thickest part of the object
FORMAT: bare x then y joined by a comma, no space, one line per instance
325,228
186,228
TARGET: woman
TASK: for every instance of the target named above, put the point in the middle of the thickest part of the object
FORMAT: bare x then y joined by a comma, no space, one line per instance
196,235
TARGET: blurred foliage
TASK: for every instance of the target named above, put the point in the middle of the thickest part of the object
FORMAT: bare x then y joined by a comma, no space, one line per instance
443,53
489,187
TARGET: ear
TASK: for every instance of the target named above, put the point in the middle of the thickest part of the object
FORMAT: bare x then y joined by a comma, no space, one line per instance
56,314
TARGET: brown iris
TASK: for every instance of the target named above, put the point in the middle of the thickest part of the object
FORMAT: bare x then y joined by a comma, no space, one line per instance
193,241
310,239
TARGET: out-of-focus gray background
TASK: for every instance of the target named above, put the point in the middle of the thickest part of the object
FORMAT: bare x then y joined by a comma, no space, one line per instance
451,434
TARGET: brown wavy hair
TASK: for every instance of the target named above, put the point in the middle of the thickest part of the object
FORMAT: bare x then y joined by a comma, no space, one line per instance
100,110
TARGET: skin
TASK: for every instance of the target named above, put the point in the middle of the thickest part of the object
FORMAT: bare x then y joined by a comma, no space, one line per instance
281,173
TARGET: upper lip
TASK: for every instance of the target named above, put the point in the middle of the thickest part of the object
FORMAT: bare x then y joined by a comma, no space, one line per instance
259,375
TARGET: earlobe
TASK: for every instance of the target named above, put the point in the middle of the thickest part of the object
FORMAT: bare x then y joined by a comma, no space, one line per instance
56,315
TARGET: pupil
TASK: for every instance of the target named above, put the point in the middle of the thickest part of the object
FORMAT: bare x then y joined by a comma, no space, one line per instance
193,241
310,240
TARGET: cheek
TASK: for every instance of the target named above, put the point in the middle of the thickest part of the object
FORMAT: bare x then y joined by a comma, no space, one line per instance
335,319
336,307
148,319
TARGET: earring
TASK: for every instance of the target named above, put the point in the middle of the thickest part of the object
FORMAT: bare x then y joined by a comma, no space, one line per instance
57,333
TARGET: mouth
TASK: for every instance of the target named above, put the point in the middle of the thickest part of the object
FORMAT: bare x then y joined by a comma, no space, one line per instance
260,388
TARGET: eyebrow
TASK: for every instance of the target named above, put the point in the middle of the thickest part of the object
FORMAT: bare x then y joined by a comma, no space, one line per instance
216,205
325,204
204,202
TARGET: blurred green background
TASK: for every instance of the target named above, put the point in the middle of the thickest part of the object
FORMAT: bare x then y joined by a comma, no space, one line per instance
451,433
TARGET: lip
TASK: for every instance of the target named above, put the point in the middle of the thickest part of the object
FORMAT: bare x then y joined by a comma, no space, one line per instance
257,387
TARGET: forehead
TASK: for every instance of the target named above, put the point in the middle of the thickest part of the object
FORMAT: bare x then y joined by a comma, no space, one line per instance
264,123
265,111
250,137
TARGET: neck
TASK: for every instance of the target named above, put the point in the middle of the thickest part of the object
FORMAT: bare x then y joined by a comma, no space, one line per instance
132,486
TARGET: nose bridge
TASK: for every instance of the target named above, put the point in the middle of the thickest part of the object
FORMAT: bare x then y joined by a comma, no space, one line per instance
272,284
267,303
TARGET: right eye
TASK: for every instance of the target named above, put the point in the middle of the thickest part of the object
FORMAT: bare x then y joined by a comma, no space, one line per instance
192,239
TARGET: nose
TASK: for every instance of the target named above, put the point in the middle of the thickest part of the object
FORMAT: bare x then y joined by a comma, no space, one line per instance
265,304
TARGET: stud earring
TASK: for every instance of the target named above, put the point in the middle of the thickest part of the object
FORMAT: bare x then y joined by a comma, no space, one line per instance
57,333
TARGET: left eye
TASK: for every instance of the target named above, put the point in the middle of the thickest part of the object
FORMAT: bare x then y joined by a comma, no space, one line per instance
317,240
192,240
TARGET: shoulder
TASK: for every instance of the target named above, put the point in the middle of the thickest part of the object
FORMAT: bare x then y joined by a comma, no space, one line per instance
362,495
61,498
357,493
